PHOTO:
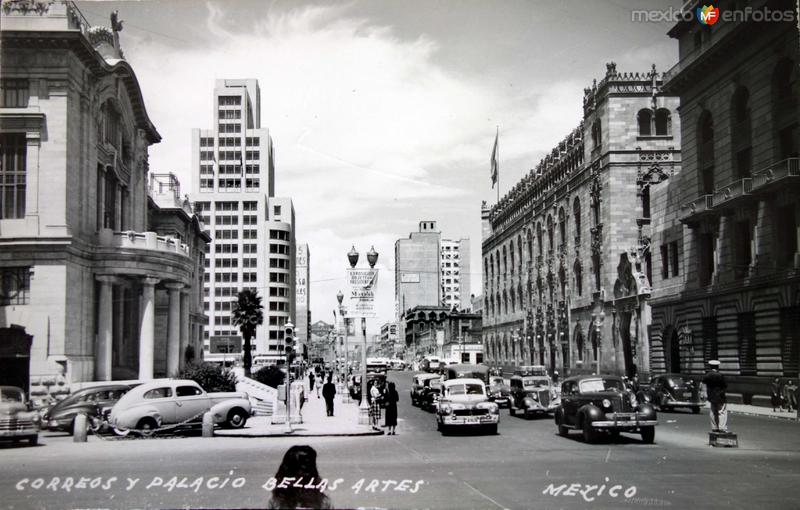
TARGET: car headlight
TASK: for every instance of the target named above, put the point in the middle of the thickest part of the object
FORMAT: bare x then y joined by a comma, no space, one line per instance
445,409
633,400
529,402
606,403
491,406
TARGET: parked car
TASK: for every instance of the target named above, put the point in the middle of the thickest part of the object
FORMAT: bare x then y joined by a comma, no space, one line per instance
592,403
499,392
464,403
94,402
668,391
432,394
155,404
418,385
532,395
18,420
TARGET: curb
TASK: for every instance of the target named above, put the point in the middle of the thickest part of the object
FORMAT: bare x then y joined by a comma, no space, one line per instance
788,417
321,434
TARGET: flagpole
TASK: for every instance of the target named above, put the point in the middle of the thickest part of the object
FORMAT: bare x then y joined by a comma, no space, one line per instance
497,137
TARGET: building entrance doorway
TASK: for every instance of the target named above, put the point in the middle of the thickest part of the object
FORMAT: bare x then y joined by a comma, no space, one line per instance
15,357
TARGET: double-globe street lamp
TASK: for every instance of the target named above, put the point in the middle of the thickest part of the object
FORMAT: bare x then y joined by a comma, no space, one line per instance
372,259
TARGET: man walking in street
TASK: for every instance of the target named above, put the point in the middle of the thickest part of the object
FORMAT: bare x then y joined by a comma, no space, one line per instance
328,392
715,389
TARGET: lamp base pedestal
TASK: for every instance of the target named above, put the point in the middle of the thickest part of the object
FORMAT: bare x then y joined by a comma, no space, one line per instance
363,413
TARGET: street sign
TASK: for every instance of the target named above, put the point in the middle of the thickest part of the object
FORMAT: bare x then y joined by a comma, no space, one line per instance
361,296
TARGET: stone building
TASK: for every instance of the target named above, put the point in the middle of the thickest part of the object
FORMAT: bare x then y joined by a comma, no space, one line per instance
727,280
566,252
442,331
100,269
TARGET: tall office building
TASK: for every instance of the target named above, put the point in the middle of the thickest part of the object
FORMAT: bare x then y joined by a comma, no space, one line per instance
418,268
253,232
454,264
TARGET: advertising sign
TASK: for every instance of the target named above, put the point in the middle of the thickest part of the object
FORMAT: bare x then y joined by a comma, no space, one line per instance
409,277
361,297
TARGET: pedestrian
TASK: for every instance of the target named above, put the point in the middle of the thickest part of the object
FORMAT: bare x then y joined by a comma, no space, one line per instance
328,392
789,395
311,382
391,409
375,406
299,463
715,389
777,395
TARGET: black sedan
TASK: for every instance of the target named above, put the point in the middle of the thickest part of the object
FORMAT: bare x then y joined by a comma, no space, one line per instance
499,392
595,404
668,391
93,402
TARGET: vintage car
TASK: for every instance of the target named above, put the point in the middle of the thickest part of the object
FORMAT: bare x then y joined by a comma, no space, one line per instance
532,395
592,403
95,402
161,403
432,394
499,392
668,391
464,403
17,418
418,385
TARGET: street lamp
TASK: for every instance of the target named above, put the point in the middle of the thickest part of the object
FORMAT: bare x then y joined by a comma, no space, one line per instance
372,259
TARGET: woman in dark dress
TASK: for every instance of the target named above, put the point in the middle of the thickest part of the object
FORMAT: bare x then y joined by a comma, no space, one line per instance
299,462
391,409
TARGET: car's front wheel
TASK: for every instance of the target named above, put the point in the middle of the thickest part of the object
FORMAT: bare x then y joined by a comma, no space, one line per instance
648,434
236,418
492,429
33,440
695,410
589,434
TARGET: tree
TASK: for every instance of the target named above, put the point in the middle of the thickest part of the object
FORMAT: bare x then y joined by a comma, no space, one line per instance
247,314
210,377
270,375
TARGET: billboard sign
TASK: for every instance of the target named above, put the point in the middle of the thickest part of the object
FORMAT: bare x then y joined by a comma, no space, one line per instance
361,296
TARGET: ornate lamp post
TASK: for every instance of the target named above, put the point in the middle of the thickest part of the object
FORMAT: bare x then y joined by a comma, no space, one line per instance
372,259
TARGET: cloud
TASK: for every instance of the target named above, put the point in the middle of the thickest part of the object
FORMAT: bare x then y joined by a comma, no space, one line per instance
370,130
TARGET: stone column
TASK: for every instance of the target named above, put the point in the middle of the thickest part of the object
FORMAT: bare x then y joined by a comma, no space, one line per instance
186,330
105,328
174,328
147,329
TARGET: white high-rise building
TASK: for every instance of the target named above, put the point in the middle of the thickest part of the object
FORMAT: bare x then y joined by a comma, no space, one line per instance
253,232
455,277
303,295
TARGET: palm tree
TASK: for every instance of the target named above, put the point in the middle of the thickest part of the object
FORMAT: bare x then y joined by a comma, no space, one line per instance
247,313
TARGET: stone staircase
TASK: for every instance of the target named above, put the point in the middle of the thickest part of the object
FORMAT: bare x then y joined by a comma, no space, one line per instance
263,398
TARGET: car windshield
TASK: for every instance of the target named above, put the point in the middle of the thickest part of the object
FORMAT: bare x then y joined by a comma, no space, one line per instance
497,380
531,382
594,385
11,395
466,389
676,381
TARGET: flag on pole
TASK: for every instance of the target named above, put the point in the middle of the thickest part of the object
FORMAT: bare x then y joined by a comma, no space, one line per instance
494,161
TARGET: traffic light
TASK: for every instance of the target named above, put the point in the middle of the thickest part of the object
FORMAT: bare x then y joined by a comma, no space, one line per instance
288,338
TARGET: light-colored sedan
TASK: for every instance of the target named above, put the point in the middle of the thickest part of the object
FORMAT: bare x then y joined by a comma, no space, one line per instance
464,403
168,403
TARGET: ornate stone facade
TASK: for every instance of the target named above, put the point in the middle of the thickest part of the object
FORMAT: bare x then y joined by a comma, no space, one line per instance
566,251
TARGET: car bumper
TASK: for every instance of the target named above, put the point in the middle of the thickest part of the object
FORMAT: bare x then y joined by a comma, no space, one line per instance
471,421
623,424
683,403
501,401
26,432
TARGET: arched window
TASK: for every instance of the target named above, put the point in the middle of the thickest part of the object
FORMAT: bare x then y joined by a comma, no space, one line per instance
705,152
513,300
519,252
511,252
486,272
740,133
577,270
576,214
521,297
530,246
784,109
539,238
550,234
505,262
597,135
645,120
562,229
498,273
499,304
663,122
505,302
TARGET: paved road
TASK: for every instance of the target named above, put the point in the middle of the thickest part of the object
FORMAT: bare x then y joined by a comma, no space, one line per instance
522,467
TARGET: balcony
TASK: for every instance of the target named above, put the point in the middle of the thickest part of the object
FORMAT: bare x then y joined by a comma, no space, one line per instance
775,176
697,209
732,195
142,241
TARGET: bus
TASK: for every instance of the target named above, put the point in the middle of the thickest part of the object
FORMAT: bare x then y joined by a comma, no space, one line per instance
377,365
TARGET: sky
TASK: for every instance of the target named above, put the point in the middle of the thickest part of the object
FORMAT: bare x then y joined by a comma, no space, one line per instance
383,113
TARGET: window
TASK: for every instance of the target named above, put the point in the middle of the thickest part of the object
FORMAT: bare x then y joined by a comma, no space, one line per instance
576,213
597,135
663,122
13,153
249,206
705,152
673,255
188,391
784,109
14,93
705,262
740,133
746,326
277,210
646,202
158,393
664,261
230,100
15,286
742,254
645,119
785,235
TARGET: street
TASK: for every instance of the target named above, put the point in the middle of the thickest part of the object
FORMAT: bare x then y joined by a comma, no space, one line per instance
527,465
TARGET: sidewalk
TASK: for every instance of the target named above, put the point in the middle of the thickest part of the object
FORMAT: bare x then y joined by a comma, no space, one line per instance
751,410
316,422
